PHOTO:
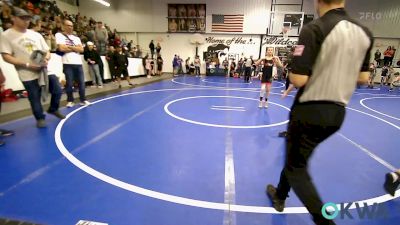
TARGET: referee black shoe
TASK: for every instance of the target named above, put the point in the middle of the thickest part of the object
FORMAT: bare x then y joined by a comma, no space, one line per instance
390,184
277,203
6,133
282,134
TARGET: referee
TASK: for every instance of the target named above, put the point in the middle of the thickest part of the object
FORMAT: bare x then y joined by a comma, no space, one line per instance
332,56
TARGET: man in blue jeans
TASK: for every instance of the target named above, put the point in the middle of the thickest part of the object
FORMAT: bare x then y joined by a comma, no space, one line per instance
71,46
17,45
93,59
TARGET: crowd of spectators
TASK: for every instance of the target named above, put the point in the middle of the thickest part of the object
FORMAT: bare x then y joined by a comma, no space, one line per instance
47,19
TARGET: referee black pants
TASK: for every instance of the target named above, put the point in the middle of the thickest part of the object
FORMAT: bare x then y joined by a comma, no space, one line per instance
247,74
287,81
310,124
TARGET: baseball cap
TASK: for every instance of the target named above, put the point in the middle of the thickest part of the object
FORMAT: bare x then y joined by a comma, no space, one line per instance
20,12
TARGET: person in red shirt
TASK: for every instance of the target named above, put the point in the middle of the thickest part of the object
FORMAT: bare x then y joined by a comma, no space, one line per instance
117,40
393,52
387,56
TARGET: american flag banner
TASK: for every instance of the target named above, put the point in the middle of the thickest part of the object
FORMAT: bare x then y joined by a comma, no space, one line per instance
227,23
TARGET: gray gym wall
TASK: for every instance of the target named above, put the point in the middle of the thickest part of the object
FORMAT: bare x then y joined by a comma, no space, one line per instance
150,15
381,17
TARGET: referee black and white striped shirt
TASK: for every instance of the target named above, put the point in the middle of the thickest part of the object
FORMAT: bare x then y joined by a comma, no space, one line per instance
332,51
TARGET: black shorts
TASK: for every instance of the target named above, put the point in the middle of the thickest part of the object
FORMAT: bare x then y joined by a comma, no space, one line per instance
266,79
121,70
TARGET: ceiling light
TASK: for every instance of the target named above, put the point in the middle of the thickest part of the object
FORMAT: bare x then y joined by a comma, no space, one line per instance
103,2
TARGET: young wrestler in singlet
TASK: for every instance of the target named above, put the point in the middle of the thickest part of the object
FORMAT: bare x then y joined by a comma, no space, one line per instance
266,78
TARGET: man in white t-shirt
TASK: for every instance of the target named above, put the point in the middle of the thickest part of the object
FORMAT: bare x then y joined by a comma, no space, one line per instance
197,65
248,63
71,46
17,45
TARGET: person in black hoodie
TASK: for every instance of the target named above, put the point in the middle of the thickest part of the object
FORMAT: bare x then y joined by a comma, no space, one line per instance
152,47
92,57
121,65
110,60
